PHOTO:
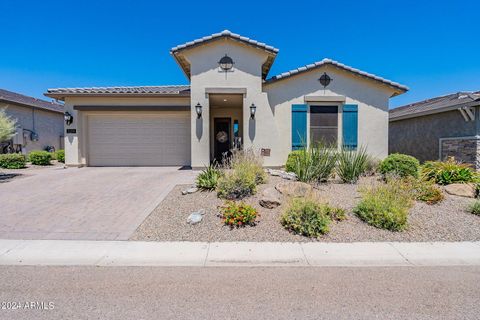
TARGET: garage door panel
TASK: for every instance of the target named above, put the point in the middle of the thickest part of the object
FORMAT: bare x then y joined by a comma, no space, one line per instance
139,140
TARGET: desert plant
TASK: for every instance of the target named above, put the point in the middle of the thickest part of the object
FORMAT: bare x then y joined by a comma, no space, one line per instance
292,158
238,214
315,163
475,208
237,184
425,191
208,178
372,166
306,216
12,161
60,156
400,165
351,164
41,158
246,160
385,206
447,172
7,126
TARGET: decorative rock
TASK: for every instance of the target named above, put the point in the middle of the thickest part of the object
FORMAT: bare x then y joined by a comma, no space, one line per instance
190,190
270,198
289,176
196,217
294,189
461,190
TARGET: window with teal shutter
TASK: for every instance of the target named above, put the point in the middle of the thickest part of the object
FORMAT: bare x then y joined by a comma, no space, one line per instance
299,126
350,126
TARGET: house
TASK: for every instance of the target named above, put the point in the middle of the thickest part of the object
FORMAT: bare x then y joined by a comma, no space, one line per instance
39,122
438,128
230,101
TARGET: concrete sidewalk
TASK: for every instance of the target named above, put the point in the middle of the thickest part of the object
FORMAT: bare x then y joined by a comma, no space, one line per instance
132,253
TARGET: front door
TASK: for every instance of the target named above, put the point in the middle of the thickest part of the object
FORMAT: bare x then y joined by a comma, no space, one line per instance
221,136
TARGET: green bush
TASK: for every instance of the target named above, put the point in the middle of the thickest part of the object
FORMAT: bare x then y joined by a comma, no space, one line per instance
475,208
385,206
447,172
372,166
12,161
401,165
307,217
41,158
208,178
238,214
237,184
315,163
249,161
351,164
60,156
426,191
292,158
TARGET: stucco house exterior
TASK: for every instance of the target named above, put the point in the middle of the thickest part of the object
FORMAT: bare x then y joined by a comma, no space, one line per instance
39,122
438,128
230,101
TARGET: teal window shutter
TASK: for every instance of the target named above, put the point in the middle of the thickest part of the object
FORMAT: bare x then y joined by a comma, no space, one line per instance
299,126
350,126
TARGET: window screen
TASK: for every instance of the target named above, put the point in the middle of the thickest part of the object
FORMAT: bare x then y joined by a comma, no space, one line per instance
324,124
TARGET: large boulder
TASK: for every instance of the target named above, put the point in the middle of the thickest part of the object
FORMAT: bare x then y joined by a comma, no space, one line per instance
294,188
271,198
461,190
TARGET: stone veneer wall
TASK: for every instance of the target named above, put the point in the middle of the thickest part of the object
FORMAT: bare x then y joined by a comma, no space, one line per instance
465,150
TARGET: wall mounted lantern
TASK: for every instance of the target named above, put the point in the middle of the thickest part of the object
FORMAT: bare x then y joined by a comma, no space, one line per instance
198,110
226,63
253,109
68,118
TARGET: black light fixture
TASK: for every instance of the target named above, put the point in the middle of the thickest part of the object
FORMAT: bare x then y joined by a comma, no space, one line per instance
198,110
253,109
226,63
68,118
325,80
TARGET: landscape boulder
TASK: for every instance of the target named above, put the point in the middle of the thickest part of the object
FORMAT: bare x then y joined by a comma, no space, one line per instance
196,217
294,188
190,190
271,198
461,190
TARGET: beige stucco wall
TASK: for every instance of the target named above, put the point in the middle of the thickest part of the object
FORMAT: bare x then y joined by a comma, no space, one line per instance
47,124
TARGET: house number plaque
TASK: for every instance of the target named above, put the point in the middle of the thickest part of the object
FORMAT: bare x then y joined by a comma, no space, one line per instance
71,130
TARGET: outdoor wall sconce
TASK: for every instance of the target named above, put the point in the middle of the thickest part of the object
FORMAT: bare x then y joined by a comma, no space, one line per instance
68,118
226,63
253,109
198,110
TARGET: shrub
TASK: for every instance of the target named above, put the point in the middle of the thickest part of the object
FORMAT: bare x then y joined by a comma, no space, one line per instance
7,126
41,158
372,166
385,206
401,165
307,217
247,160
237,184
292,158
238,214
447,172
12,161
426,191
475,208
351,164
208,178
60,155
315,163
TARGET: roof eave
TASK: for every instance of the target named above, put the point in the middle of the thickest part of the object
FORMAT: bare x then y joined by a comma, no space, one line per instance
434,111
30,105
62,96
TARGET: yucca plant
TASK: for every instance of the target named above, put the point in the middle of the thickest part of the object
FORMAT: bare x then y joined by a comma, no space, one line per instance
351,164
315,163
208,178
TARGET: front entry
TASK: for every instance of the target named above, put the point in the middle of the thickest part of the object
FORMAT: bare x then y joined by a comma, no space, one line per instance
221,135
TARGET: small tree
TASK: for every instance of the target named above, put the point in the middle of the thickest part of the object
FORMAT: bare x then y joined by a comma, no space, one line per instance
7,127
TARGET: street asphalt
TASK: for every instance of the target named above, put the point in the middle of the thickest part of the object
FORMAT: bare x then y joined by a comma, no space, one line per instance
240,292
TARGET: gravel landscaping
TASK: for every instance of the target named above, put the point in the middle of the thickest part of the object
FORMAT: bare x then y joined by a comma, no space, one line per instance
446,221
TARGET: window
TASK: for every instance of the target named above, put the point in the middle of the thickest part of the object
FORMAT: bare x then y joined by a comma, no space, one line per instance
324,124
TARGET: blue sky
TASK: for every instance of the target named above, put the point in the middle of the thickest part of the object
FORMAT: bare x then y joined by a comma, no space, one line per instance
432,48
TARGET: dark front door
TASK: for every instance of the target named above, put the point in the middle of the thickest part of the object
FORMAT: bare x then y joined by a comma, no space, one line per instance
221,136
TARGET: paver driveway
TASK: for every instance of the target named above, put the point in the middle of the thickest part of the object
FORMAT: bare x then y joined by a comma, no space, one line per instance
85,203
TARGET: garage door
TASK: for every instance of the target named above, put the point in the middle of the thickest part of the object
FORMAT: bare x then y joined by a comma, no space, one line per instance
159,139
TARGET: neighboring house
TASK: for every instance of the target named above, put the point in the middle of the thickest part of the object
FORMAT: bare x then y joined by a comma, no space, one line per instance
230,101
39,122
438,128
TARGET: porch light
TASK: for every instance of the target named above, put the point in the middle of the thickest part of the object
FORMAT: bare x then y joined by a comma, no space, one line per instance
253,109
68,118
226,63
198,110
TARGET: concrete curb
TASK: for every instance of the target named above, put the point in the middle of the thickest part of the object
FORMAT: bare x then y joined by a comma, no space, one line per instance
198,254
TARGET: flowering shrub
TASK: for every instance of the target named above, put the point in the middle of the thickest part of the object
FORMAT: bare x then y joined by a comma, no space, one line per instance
238,214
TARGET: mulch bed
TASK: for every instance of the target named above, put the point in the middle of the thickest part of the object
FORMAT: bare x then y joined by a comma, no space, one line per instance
446,221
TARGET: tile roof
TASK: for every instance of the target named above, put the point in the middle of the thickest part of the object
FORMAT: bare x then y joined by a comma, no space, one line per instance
437,104
180,90
17,98
224,33
337,64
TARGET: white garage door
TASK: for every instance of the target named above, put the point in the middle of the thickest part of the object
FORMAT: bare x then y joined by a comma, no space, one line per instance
153,139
